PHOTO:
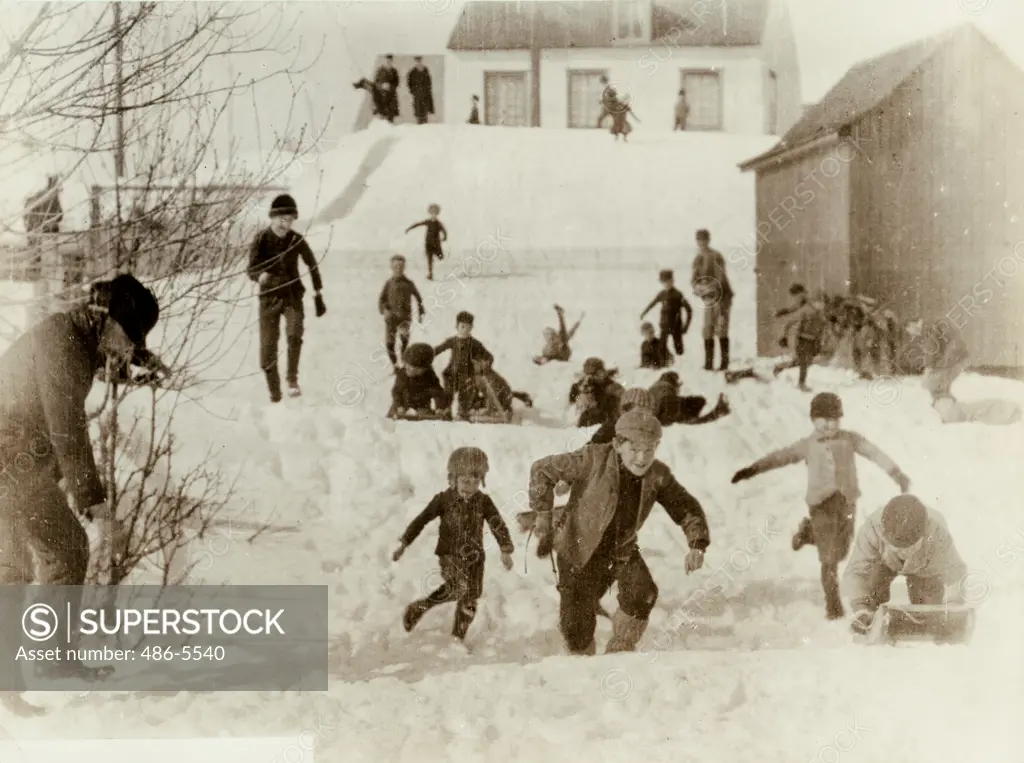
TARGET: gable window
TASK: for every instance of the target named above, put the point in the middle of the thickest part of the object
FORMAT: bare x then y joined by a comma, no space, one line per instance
704,96
632,21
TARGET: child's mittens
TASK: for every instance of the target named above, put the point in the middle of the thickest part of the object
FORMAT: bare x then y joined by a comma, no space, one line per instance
526,520
506,560
321,308
743,474
398,552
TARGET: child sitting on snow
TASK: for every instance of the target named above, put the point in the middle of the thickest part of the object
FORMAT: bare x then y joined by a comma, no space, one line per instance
462,509
492,394
905,538
417,386
556,343
832,488
653,352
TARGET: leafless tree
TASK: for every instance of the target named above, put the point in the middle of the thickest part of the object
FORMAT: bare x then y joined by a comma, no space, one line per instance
138,93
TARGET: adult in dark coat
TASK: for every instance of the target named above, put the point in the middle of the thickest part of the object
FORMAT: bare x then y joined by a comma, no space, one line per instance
46,376
422,90
386,79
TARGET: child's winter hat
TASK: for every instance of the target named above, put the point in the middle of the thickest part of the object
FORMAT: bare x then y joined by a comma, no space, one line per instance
671,377
129,303
797,288
826,405
904,521
646,326
434,209
284,205
593,366
636,397
639,426
464,317
398,258
666,275
468,461
418,355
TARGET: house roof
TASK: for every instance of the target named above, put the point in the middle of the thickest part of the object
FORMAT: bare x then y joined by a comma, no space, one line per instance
860,90
507,24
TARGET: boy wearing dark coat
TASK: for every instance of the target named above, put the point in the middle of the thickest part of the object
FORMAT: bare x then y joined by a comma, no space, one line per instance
653,352
613,488
274,265
435,236
46,376
422,90
673,305
462,510
417,386
672,408
905,538
596,394
465,349
487,382
395,304
386,79
474,113
832,488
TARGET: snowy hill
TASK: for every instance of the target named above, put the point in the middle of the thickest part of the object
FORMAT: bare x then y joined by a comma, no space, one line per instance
756,675
549,194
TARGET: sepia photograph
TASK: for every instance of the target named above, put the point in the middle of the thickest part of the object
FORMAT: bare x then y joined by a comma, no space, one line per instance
512,380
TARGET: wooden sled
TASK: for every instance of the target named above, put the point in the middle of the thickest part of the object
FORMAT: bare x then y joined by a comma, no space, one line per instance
425,416
493,413
936,623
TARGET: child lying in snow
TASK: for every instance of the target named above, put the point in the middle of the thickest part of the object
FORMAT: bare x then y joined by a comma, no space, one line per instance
492,395
417,386
556,343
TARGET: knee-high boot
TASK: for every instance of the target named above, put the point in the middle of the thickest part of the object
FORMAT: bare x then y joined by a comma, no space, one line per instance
709,354
626,633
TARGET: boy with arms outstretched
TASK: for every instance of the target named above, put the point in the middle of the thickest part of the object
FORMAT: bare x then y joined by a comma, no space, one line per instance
832,488
673,305
435,236
462,510
556,343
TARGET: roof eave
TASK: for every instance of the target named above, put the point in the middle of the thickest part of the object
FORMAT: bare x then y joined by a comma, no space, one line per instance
778,155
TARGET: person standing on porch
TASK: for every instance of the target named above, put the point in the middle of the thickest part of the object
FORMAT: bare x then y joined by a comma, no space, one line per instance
711,285
422,89
386,79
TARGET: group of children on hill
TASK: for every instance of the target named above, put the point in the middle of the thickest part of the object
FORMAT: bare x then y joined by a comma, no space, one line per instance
612,486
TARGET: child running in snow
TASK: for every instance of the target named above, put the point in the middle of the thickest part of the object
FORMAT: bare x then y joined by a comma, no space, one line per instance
436,234
905,538
395,304
458,376
462,509
417,386
832,488
556,343
673,305
801,333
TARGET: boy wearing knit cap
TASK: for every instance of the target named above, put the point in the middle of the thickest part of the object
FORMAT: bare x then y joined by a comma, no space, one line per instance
612,489
905,538
417,386
832,488
274,265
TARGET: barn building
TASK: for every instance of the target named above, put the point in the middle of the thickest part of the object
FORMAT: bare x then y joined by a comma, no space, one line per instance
539,63
905,183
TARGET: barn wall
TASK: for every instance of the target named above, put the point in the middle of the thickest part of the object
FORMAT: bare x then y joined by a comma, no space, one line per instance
802,233
940,201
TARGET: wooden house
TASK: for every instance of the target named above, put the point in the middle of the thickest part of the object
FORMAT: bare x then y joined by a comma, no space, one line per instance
905,183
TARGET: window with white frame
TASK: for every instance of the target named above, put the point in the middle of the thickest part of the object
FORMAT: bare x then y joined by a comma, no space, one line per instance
704,97
632,20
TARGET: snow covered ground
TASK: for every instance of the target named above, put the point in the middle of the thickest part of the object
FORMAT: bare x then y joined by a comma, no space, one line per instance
758,675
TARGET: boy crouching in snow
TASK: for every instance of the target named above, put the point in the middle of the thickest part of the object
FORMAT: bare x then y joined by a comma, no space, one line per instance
462,509
832,488
613,488
417,386
904,538
493,395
